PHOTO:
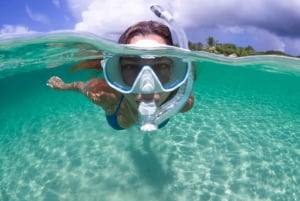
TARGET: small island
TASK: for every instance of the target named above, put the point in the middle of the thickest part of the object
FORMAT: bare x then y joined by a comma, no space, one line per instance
228,49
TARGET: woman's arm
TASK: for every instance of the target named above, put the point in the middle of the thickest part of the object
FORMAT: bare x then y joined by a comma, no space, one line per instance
58,84
189,104
97,90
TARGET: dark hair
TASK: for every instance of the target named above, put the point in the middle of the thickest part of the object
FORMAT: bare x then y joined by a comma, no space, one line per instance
145,28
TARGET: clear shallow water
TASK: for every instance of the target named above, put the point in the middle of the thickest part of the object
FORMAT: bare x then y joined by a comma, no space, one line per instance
239,142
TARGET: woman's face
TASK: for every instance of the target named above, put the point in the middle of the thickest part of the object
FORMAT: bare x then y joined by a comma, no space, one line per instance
131,67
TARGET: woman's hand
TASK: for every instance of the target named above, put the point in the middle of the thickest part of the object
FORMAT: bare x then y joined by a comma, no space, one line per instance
102,94
56,83
189,104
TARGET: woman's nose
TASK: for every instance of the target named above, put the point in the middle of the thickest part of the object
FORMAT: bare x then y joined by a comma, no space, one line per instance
147,97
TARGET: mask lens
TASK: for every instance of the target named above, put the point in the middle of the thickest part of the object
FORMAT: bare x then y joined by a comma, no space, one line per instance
129,70
163,69
130,67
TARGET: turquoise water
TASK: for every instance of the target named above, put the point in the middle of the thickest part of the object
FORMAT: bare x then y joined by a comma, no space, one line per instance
241,140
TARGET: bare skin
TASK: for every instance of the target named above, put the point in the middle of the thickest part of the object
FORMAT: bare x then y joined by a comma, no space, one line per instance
98,91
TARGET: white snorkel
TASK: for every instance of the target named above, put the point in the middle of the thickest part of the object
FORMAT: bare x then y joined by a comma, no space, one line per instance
151,116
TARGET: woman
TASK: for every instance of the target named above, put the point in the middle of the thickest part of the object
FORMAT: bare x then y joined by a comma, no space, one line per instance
122,108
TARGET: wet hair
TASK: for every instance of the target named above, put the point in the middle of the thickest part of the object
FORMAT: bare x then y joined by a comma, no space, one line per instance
139,29
146,28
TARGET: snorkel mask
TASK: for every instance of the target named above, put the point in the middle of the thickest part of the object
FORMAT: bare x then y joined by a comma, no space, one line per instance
145,74
149,74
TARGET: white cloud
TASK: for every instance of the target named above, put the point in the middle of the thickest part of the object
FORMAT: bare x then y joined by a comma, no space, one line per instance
38,17
77,7
110,17
56,3
264,24
13,29
111,14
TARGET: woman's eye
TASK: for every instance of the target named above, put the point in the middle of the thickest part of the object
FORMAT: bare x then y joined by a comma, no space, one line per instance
165,65
129,73
129,67
162,66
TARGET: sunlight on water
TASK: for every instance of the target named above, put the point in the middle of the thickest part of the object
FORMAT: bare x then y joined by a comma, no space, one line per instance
239,142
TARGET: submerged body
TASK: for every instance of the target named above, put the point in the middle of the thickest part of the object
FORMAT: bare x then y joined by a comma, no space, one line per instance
124,113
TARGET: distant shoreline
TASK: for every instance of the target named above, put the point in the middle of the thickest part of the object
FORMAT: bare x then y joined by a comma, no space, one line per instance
229,49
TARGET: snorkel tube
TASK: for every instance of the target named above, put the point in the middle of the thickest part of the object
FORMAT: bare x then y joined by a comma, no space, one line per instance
150,115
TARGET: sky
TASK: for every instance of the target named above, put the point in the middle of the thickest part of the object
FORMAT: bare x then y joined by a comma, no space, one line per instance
262,24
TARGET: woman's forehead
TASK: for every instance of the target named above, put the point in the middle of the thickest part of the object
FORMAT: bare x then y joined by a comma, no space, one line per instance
139,59
147,40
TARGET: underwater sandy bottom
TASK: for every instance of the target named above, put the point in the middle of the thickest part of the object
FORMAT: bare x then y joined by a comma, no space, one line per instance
233,145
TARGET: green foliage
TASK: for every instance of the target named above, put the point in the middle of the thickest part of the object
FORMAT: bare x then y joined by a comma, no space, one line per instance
195,46
273,52
229,49
211,42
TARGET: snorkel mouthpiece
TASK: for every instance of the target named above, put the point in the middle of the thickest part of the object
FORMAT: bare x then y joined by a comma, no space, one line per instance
147,112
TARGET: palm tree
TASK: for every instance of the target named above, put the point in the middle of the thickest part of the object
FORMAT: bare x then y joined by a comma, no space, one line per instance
211,42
